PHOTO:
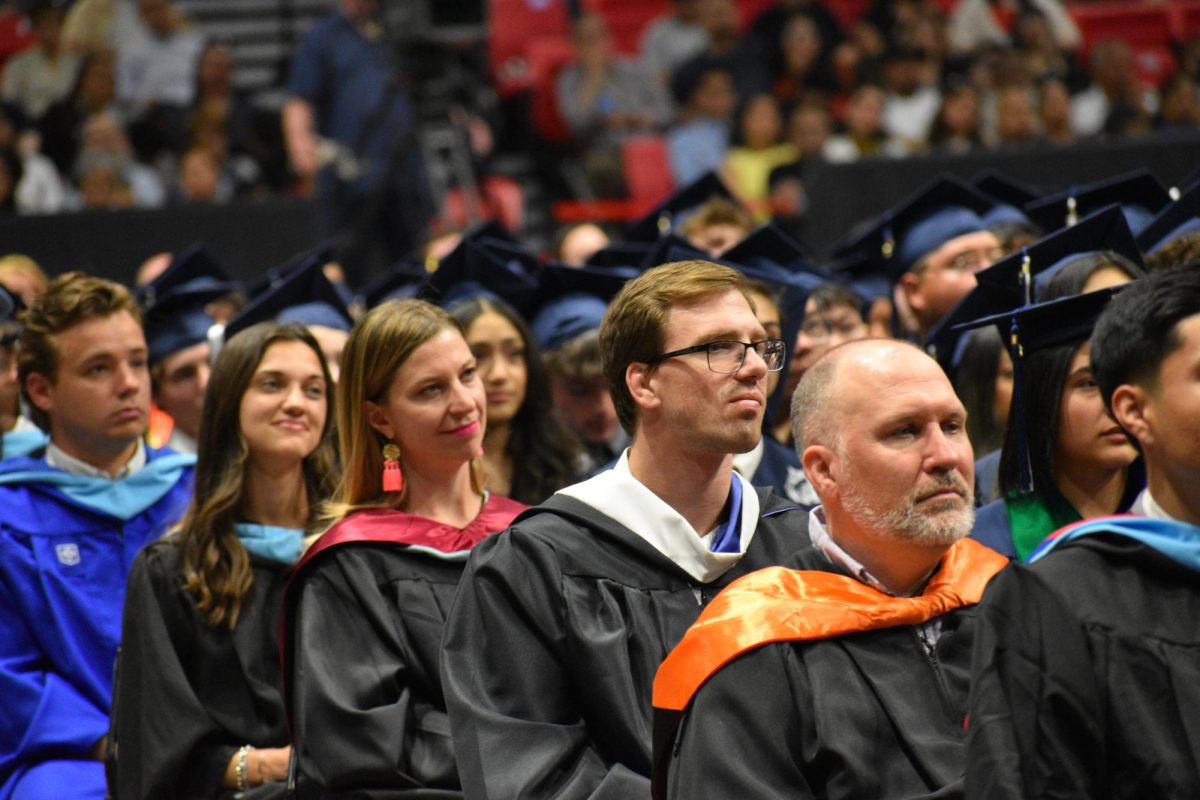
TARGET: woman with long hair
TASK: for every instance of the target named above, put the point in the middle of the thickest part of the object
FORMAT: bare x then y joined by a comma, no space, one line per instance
528,453
1063,459
410,506
197,712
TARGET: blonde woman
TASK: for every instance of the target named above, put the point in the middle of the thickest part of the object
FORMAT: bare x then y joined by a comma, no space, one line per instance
364,613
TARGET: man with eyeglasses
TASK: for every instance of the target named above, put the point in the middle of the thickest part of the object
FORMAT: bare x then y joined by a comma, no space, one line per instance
561,621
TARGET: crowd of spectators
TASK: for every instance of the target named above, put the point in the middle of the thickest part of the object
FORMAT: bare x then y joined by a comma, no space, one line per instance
124,103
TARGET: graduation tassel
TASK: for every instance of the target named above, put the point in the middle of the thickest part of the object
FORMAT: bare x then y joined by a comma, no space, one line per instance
1027,275
1017,406
1072,210
393,478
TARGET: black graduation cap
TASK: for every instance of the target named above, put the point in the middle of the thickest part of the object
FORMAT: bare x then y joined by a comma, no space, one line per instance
942,210
1030,328
861,273
173,304
1004,188
1178,219
572,300
663,217
1029,269
321,253
1140,195
305,296
768,245
621,254
947,340
401,280
192,271
477,269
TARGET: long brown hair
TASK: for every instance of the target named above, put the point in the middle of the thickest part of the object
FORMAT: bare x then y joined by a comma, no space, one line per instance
216,566
378,346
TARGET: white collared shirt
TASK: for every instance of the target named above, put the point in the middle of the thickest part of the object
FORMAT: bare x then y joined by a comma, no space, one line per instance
1146,506
59,459
616,494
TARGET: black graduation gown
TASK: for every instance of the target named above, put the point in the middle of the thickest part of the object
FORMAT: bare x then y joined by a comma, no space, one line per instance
553,641
863,715
188,695
364,628
1087,677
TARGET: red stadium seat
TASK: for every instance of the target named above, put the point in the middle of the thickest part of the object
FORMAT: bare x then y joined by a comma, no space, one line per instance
512,23
1140,24
547,55
1185,20
647,168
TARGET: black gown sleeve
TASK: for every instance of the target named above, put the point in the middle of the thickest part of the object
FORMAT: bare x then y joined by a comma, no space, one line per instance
515,715
1035,723
735,742
361,722
167,745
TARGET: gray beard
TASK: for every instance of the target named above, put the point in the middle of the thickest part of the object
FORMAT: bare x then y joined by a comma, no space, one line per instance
911,524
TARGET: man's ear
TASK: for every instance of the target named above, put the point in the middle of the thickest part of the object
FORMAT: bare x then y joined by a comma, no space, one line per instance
378,420
910,284
38,390
639,379
1133,409
820,466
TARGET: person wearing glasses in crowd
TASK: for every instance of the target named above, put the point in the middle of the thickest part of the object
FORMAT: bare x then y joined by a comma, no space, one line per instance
560,623
833,314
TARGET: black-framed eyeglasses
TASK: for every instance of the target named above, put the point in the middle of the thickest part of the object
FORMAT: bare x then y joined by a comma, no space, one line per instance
727,357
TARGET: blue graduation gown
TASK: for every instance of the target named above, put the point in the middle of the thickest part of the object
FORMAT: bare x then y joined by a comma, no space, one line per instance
63,565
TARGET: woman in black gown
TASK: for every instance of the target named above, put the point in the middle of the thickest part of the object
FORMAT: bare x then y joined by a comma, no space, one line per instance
197,711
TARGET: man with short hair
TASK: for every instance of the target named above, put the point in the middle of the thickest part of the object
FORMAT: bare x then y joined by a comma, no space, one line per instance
560,621
1086,678
845,677
72,517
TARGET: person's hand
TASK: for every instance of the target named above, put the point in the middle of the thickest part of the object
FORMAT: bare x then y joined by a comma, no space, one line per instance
303,156
269,764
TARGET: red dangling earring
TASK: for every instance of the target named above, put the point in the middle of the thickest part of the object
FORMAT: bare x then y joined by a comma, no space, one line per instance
393,478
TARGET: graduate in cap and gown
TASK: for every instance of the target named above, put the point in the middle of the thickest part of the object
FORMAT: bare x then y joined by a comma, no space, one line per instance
491,287
364,612
1086,666
1173,237
72,517
198,711
1139,194
930,247
178,323
560,622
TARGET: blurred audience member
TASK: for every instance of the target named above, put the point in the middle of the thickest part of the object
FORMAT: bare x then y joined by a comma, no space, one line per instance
1016,120
673,38
699,141
1180,107
104,135
62,125
200,178
44,74
1054,111
103,26
758,148
974,23
1114,86
911,101
605,99
956,126
864,134
804,72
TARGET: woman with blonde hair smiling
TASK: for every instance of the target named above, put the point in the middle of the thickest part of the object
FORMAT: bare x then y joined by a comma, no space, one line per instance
197,711
410,507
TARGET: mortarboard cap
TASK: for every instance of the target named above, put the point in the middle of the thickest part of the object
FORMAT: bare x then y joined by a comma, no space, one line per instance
482,268
572,301
903,235
305,296
1139,194
1030,328
1178,219
321,253
400,281
768,245
173,304
1030,269
621,254
664,217
1005,189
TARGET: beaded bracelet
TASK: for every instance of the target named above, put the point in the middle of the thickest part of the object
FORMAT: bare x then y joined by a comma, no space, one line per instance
239,768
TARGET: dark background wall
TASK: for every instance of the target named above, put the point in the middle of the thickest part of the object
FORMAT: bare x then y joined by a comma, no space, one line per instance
251,237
